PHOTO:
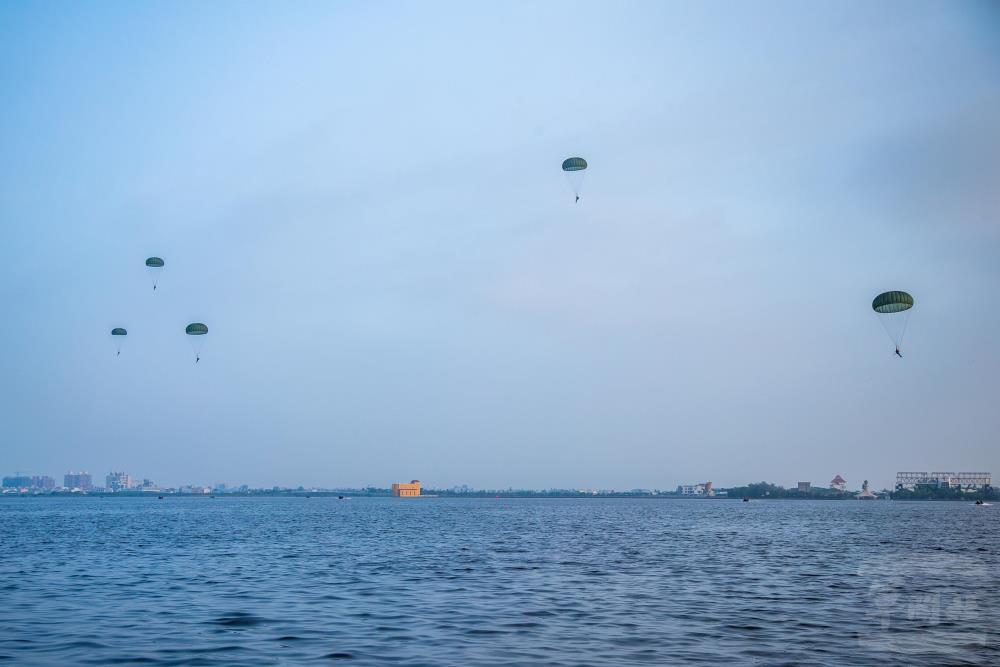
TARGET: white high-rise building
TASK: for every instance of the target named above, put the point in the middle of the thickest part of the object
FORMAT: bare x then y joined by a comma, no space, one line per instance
703,489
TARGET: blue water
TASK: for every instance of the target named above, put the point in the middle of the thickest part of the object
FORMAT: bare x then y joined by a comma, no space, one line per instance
501,582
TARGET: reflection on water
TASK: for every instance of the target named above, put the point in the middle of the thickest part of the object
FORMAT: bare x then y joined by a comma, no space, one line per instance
509,582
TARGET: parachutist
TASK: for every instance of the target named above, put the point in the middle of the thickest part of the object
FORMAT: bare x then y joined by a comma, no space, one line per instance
575,168
196,329
893,309
118,335
154,265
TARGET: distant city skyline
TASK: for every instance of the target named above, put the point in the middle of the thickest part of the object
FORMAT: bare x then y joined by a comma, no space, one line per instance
364,205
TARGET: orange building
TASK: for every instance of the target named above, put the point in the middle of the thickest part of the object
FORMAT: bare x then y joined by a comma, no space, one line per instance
406,490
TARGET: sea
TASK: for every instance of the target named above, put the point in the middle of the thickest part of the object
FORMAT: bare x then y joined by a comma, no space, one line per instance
487,581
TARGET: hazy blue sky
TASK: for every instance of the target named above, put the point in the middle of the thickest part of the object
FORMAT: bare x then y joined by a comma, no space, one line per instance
363,202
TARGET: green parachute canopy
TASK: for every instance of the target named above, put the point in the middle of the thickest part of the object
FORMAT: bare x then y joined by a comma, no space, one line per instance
196,329
154,263
574,164
892,302
118,331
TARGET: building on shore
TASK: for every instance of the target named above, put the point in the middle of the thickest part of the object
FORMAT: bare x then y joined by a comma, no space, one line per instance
29,482
966,481
403,490
78,480
703,489
118,481
838,483
805,487
149,486
16,482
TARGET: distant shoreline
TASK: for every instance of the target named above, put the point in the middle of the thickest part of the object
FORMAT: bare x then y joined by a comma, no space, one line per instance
469,496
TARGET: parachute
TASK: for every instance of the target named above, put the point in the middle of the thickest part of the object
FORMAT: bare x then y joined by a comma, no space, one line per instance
154,265
575,168
893,309
118,338
197,331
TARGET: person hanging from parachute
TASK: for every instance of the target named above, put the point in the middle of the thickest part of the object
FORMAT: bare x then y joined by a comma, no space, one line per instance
196,330
575,168
893,309
155,266
118,337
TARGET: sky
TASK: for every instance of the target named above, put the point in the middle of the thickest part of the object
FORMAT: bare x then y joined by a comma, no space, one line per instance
363,202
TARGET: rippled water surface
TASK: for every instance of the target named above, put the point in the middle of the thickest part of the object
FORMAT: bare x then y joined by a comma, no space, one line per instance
502,582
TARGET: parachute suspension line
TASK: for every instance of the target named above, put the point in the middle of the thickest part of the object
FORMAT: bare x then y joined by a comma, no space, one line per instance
902,332
895,334
885,327
575,179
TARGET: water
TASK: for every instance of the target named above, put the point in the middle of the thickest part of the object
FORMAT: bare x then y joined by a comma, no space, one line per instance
500,582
